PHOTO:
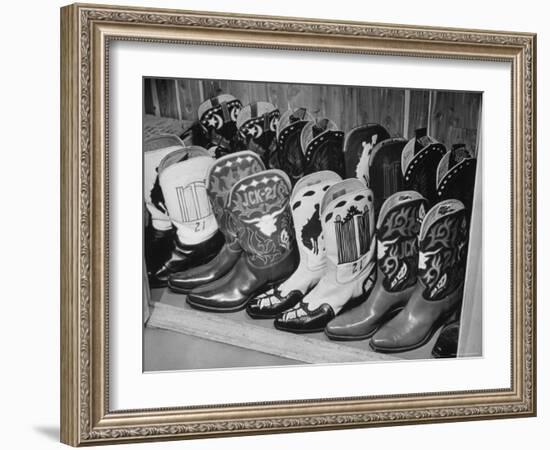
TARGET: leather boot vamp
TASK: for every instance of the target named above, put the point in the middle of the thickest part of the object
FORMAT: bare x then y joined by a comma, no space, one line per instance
362,321
416,323
206,273
243,282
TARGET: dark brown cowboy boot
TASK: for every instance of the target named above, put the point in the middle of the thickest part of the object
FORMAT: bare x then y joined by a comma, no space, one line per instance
259,206
441,271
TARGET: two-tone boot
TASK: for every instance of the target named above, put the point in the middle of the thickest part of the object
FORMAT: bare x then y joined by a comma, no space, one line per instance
397,233
347,220
158,233
306,204
257,126
197,239
289,156
419,163
221,177
443,245
260,211
358,145
218,116
322,145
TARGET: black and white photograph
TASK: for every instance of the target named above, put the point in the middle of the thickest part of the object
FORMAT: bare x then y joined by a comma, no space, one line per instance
309,224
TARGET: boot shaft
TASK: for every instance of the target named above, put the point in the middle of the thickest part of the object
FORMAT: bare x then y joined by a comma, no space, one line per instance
443,246
397,233
306,204
290,157
182,179
358,145
221,177
419,161
322,145
218,115
155,150
257,125
260,209
347,219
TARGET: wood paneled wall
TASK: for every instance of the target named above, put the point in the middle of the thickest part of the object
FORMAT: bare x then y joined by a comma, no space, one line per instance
451,117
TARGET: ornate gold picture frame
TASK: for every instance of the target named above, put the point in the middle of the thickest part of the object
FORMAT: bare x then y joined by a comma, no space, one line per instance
87,31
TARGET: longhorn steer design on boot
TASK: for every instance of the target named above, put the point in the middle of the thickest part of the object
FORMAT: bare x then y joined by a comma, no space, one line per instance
267,223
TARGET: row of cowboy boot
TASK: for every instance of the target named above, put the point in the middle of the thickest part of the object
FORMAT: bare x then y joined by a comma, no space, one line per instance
347,226
220,179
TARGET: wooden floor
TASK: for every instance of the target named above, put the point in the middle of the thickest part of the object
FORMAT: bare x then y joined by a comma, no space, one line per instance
178,337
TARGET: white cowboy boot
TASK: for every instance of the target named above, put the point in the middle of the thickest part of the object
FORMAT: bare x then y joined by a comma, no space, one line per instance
305,202
182,180
347,218
158,234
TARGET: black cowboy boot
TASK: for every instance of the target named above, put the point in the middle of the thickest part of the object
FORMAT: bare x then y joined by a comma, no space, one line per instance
419,162
259,206
159,233
347,220
322,144
221,177
289,155
441,270
257,125
218,116
456,176
305,203
397,235
197,238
